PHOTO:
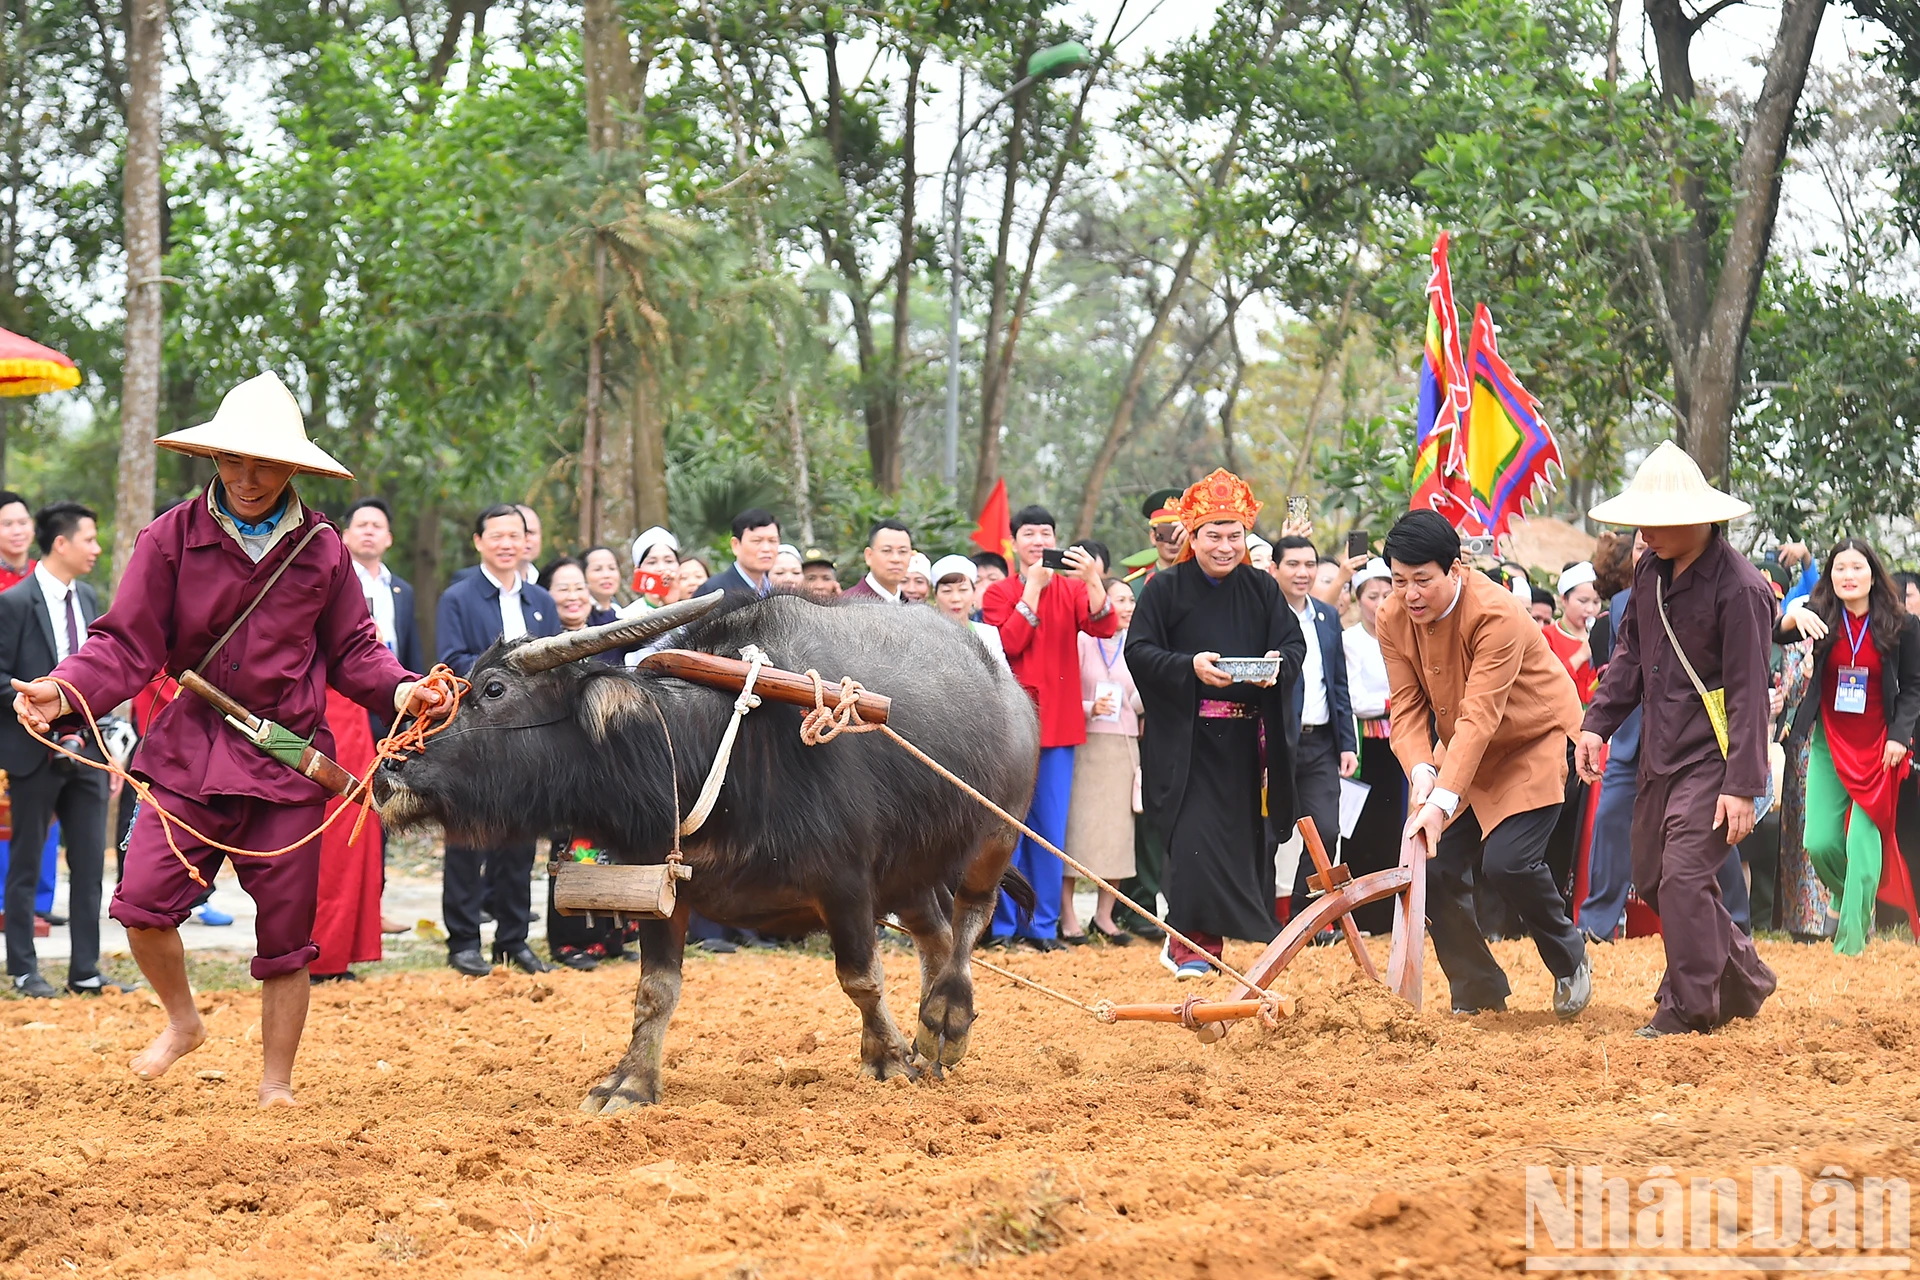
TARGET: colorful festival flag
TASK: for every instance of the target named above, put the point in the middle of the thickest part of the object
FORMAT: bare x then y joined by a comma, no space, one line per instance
1439,479
994,532
1508,446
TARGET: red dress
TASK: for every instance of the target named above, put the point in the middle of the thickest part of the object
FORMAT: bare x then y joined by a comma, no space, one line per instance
1564,647
1857,744
346,920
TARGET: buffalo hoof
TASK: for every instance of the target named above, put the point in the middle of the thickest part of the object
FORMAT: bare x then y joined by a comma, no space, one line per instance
941,1036
940,1050
618,1092
890,1068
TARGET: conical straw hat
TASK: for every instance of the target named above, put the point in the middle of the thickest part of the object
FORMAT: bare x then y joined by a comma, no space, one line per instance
1669,489
258,419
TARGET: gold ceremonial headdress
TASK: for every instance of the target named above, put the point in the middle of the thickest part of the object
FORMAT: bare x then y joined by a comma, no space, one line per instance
1214,498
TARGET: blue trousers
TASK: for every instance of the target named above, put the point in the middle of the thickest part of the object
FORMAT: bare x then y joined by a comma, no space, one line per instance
1052,791
1610,856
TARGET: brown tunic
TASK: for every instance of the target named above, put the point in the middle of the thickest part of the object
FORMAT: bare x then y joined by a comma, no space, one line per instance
1722,610
1502,706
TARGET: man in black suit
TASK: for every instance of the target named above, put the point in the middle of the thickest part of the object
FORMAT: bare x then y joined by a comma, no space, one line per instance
492,603
42,620
755,542
367,531
1326,747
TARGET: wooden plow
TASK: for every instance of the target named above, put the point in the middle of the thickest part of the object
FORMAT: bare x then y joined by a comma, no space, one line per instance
1339,892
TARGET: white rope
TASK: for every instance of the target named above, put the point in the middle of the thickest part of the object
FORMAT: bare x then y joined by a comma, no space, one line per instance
717,775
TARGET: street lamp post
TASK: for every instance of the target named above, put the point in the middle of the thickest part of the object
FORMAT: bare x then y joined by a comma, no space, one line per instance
1048,64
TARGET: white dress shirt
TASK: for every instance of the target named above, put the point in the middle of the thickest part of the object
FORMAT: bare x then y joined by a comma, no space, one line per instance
513,623
1313,672
1366,673
891,597
378,589
1446,801
56,592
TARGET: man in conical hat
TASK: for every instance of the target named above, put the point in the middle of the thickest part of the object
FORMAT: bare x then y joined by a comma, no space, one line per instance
1216,770
1692,655
254,590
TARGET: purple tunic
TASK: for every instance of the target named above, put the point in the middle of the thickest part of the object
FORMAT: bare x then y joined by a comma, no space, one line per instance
186,583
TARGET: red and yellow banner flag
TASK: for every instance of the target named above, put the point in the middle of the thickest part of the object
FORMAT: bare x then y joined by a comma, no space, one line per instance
1508,446
1439,469
994,531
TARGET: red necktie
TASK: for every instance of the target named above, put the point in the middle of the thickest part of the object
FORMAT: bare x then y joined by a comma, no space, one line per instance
73,626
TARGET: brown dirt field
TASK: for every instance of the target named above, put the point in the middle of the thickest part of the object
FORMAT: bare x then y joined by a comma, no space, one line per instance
440,1136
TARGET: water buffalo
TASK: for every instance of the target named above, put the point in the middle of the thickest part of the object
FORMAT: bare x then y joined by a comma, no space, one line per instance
832,836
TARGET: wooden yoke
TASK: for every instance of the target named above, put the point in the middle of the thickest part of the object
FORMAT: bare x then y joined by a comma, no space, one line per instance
730,674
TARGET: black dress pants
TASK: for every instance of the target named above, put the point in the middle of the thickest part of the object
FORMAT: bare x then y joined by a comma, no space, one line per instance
502,878
1511,860
80,802
1316,791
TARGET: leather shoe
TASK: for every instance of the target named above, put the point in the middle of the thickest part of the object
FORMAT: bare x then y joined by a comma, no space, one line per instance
1651,1032
469,962
522,958
1470,1011
98,986
34,986
1039,944
579,960
52,919
1147,932
1571,995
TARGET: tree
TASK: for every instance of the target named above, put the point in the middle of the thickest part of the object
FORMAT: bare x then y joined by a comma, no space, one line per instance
140,374
1706,307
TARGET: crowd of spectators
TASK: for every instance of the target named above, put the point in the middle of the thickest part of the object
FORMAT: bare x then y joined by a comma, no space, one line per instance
1825,860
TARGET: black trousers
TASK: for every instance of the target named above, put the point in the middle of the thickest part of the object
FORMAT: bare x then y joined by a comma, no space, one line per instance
80,802
503,879
1316,791
1149,873
1511,859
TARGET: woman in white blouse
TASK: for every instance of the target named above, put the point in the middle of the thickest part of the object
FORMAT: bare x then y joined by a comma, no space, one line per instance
1375,844
1100,816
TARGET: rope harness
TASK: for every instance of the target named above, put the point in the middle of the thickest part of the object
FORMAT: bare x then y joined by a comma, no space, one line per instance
820,725
823,724
398,743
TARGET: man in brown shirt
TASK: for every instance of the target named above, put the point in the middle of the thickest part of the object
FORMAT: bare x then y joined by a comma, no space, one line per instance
1481,714
1696,791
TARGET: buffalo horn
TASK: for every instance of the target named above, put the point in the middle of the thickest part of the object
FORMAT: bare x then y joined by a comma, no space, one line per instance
549,652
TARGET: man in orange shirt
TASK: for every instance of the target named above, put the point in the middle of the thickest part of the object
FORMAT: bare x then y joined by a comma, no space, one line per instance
1481,714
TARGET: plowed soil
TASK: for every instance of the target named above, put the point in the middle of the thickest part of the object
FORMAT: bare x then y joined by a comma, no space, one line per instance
440,1136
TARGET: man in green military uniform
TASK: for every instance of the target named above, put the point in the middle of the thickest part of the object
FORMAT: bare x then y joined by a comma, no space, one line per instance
1169,535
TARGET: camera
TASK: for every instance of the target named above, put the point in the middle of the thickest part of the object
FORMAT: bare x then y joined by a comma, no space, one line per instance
69,741
1478,544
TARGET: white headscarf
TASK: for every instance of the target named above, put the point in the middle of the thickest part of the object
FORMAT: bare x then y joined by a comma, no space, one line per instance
1578,575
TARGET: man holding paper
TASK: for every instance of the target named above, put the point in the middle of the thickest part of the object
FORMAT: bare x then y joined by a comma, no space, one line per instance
1481,714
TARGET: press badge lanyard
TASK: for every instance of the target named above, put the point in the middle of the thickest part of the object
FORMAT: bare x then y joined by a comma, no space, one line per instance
1850,694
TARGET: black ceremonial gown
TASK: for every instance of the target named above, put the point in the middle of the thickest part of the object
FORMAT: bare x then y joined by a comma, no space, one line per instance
1201,778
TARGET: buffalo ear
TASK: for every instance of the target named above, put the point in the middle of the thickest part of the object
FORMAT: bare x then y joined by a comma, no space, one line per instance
608,701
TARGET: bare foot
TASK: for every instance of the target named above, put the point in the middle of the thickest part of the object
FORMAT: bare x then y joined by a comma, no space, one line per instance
171,1045
277,1095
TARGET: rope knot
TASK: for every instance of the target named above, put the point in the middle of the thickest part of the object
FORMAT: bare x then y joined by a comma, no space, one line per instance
824,723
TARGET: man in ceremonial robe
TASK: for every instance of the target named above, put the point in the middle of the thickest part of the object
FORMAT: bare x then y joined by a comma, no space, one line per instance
1217,775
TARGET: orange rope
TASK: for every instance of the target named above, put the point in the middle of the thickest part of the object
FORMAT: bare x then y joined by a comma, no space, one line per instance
825,723
398,743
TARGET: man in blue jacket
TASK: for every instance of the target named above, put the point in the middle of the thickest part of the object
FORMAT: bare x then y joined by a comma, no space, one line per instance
1326,747
495,603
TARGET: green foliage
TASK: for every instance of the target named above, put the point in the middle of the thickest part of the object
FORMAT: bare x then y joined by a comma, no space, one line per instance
1833,448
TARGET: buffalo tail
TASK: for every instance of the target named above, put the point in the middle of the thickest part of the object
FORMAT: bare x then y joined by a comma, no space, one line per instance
1021,892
